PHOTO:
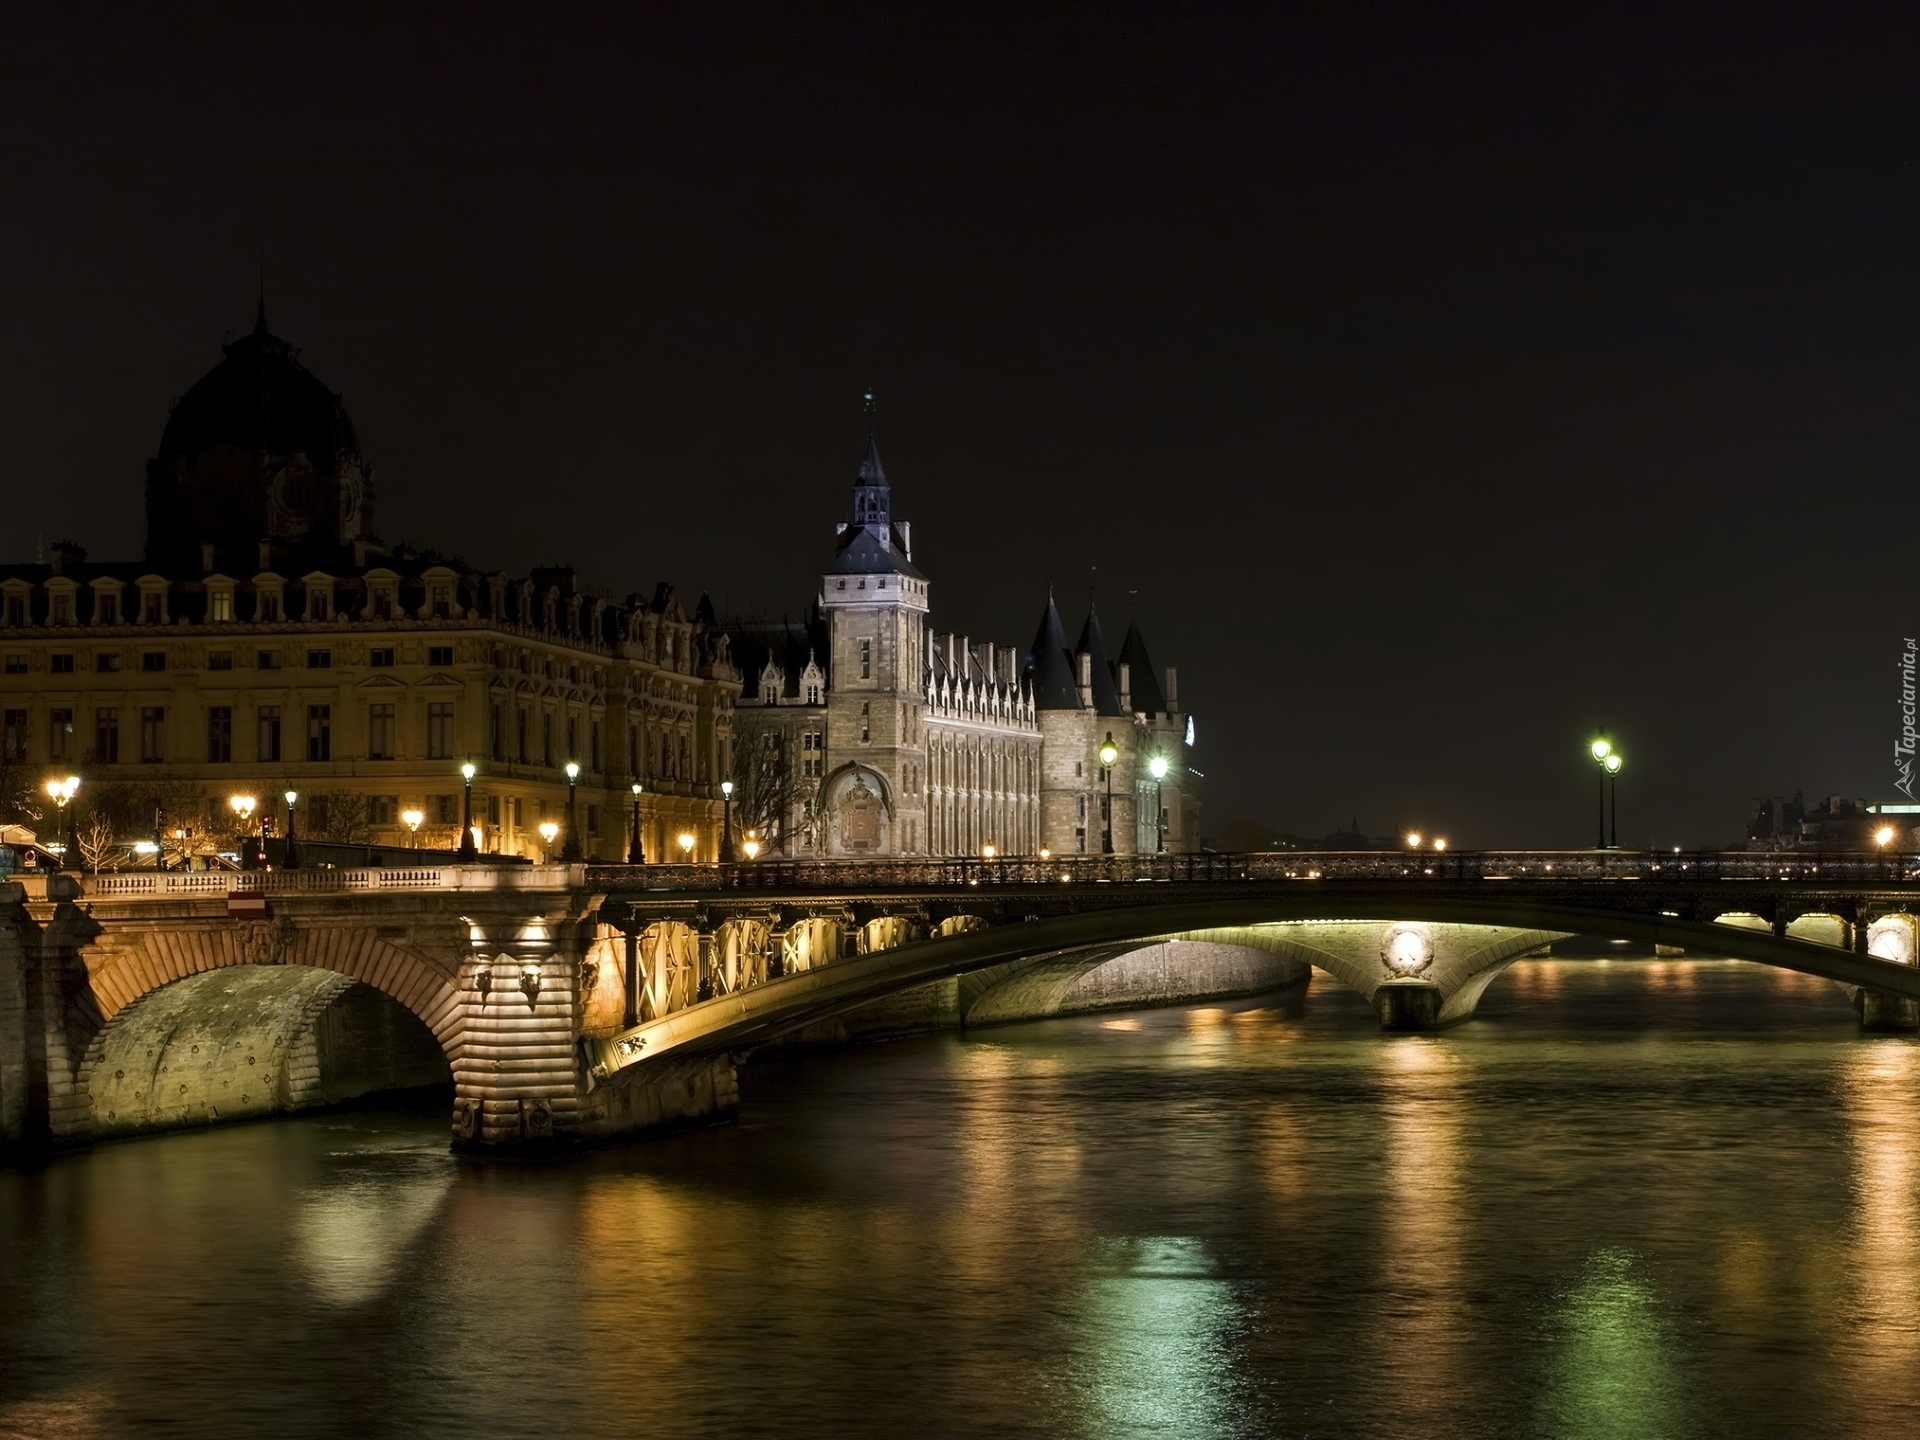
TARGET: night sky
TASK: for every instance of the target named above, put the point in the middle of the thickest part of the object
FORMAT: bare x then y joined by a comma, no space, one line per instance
1433,385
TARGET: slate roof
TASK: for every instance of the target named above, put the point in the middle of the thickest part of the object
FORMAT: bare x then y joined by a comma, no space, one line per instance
1049,666
1143,683
789,642
1106,699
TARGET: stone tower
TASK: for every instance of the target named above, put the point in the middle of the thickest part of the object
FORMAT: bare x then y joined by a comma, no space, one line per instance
872,801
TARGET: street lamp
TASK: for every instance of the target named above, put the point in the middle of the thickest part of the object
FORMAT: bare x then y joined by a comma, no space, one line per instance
62,792
726,822
1109,753
571,850
1157,767
635,855
1613,764
411,819
243,808
1413,840
287,861
686,846
1883,836
1600,749
1439,842
987,851
469,847
548,830
751,845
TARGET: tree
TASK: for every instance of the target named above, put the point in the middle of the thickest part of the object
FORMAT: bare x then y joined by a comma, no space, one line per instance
765,783
96,841
20,793
338,817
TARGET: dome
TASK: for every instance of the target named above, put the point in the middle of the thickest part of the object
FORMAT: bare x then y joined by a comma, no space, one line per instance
257,451
260,400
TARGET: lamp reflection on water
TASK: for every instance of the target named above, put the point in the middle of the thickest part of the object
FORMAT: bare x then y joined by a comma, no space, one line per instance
1159,1323
352,1232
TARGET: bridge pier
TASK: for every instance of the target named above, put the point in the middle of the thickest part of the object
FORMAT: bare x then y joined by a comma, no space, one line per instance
1408,1006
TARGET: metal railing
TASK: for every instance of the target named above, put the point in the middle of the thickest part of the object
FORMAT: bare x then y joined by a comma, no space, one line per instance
1560,866
869,876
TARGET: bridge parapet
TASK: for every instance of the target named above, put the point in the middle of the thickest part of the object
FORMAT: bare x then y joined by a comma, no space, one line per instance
1559,866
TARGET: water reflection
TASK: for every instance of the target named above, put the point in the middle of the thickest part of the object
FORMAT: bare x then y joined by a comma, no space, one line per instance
352,1230
1881,1086
1157,1323
1612,1374
1625,1199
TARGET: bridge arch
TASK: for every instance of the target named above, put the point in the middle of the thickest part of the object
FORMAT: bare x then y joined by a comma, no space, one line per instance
798,1000
259,989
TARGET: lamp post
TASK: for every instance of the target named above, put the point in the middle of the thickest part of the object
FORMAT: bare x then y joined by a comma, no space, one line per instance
571,850
548,831
1109,753
159,840
469,851
726,822
1613,765
288,861
1600,749
243,807
686,847
1157,767
636,855
62,792
411,819
751,845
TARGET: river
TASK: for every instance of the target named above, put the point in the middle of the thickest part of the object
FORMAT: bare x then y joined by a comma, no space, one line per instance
1629,1199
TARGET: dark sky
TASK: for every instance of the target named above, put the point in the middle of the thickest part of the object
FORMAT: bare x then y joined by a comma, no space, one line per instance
1445,381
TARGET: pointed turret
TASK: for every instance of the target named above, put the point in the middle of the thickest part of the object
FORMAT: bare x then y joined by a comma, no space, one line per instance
1049,666
872,544
1096,674
1144,685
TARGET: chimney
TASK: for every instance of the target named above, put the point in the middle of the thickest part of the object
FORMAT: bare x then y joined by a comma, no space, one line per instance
1173,691
266,554
1126,687
206,558
987,661
68,557
906,536
1086,679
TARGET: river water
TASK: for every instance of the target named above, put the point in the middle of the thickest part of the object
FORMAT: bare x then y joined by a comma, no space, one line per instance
1630,1199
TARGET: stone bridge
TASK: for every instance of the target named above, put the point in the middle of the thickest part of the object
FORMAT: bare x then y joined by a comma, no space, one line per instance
579,1003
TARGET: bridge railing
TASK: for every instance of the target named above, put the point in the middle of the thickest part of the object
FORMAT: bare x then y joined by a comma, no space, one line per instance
1558,866
152,884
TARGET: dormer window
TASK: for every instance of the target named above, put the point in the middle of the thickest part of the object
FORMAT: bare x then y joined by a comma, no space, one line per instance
319,604
107,610
16,610
62,609
440,599
383,604
267,609
152,610
220,606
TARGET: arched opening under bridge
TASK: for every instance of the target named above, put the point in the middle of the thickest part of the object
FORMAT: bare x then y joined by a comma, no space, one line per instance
243,1042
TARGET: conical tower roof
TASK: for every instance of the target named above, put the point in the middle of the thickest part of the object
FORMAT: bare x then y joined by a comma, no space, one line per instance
1106,699
1143,684
1049,667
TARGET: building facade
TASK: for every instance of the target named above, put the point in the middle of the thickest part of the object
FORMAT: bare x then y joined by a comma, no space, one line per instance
268,641
863,731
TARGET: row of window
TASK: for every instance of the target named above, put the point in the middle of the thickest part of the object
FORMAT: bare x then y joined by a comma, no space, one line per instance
382,733
108,661
267,607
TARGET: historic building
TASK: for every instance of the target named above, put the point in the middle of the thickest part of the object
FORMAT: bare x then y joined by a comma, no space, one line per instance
269,641
862,731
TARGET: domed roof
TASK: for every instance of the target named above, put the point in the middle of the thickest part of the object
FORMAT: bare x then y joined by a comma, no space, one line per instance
261,400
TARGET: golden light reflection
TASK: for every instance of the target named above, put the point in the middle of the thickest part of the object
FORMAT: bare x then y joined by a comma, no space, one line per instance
1425,1132
1879,1085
